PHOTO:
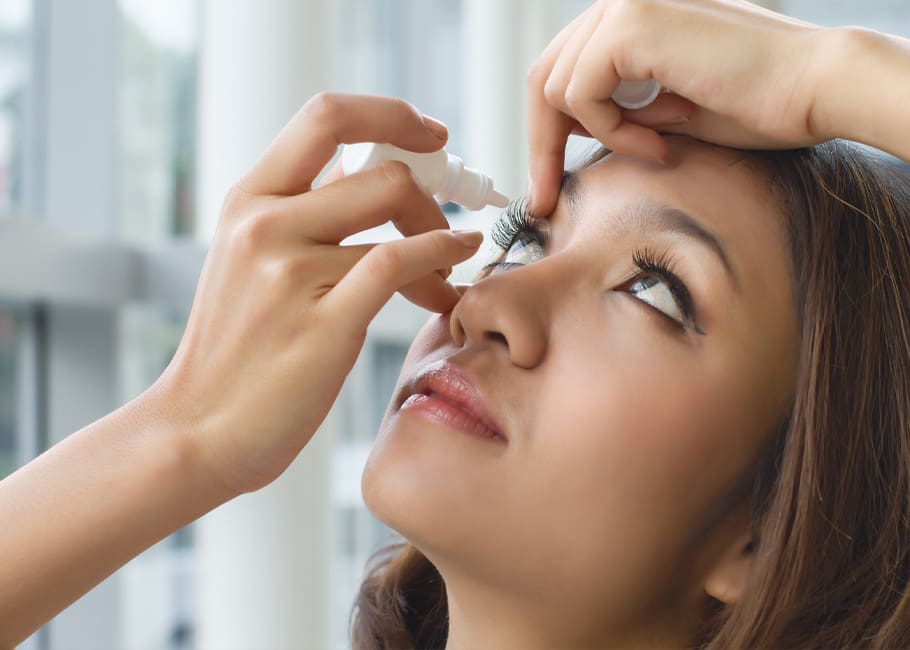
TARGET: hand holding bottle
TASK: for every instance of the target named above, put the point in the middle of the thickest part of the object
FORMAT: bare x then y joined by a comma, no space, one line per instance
740,76
281,309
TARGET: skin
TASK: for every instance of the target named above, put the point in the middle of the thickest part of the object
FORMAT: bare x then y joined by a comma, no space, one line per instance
281,303
617,505
739,75
278,303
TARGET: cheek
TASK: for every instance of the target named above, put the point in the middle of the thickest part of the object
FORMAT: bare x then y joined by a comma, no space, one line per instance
638,450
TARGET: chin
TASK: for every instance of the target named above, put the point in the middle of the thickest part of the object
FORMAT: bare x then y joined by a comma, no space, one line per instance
432,485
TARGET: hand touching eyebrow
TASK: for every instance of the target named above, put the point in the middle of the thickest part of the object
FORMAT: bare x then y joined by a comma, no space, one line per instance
757,80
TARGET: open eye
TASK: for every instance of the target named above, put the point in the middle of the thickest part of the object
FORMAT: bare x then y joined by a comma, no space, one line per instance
659,287
525,249
653,290
521,238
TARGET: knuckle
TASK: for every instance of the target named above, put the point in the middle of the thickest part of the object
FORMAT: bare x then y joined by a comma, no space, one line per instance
538,73
407,109
296,271
325,107
441,243
384,261
253,232
625,8
400,177
631,15
553,91
573,95
235,200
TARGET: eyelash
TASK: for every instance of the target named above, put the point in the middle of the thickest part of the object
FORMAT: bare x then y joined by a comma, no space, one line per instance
516,221
661,265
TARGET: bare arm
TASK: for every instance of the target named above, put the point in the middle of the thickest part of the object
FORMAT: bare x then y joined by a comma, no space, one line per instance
741,76
865,93
279,317
88,505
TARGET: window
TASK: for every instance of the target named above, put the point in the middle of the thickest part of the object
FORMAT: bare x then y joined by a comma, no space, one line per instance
406,48
15,61
11,451
157,115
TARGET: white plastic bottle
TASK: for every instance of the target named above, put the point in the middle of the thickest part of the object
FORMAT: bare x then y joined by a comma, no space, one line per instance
441,173
636,94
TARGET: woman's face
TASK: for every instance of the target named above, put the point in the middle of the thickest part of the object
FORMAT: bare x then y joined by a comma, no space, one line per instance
578,434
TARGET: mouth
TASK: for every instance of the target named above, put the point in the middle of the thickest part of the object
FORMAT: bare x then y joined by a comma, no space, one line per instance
446,396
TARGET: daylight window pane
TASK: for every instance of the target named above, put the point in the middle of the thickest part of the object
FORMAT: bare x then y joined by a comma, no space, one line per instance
15,64
158,42
10,439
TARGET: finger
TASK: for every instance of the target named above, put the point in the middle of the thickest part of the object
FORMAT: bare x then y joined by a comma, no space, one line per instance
334,172
561,75
548,131
393,265
588,97
555,47
354,203
619,135
709,126
326,264
432,293
311,138
548,128
667,110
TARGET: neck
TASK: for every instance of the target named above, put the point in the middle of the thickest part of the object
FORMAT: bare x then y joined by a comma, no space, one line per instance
481,616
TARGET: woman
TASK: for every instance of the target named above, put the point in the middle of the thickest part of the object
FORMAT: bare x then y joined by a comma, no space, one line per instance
690,416
279,303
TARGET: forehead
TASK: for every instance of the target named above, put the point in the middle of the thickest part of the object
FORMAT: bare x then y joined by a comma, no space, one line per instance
726,191
695,175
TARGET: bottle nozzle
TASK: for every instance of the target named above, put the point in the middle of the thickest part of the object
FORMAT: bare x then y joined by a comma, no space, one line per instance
498,199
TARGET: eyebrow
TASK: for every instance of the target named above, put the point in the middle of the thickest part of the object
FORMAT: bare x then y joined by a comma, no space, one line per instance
650,215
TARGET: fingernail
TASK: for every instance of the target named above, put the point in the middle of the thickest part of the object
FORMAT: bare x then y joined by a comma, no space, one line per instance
468,238
435,127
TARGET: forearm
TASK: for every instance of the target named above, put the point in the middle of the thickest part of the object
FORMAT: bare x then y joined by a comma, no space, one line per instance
86,507
865,91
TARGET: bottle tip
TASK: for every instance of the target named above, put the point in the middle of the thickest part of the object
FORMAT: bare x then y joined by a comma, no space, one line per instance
498,199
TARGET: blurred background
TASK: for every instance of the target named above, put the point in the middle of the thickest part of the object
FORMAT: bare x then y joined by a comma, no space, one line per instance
122,124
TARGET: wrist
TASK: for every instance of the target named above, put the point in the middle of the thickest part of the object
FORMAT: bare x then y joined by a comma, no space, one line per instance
862,86
834,51
182,456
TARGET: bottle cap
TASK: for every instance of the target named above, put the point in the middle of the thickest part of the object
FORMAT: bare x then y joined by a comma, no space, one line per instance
636,94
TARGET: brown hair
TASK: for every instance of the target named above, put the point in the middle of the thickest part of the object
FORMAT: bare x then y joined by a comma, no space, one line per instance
831,499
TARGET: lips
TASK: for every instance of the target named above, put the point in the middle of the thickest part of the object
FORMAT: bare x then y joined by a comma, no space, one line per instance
446,396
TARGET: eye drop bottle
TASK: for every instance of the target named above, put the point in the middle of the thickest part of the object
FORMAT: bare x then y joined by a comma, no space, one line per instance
441,173
636,94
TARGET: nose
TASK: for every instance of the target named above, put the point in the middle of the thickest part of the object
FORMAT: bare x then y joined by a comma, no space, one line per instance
505,311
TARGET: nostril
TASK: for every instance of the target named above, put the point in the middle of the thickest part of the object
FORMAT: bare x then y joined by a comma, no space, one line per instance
496,337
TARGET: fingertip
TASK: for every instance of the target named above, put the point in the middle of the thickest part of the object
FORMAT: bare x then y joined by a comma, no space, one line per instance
543,187
436,128
470,239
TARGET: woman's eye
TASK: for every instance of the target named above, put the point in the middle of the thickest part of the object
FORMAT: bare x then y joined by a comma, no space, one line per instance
524,250
653,290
